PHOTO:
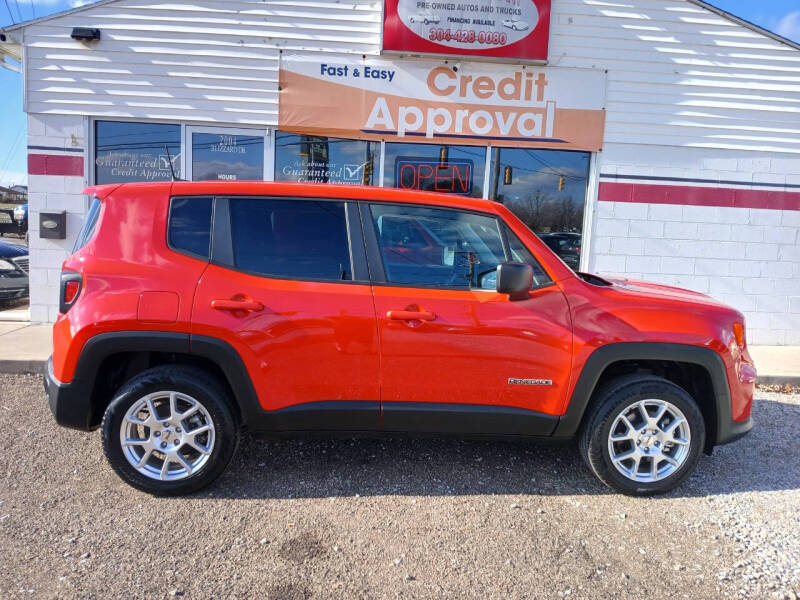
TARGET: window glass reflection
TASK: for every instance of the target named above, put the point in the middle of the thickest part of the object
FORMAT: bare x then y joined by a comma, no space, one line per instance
546,189
325,160
126,151
226,157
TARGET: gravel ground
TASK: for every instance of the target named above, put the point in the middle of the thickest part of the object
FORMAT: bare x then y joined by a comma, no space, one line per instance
394,519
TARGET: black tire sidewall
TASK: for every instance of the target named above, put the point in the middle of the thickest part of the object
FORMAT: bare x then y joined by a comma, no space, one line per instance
199,386
612,404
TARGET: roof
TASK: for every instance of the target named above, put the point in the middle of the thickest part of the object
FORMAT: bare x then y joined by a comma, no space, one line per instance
700,3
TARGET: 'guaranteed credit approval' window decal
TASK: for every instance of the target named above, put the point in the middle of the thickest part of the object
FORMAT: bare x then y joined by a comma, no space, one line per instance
436,101
518,29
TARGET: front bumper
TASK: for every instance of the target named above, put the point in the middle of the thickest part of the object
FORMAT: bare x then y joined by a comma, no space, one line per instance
70,405
13,288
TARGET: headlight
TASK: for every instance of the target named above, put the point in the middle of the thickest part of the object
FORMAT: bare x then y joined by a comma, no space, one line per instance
6,266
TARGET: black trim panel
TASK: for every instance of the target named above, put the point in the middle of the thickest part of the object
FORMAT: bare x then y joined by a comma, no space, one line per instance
465,419
71,403
726,429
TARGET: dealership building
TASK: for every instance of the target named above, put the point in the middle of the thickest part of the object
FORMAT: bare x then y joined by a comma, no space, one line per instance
652,139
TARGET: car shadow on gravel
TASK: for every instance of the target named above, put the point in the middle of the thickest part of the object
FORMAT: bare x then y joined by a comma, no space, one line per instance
765,460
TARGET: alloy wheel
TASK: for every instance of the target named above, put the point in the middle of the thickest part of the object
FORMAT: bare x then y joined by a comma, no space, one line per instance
649,440
167,436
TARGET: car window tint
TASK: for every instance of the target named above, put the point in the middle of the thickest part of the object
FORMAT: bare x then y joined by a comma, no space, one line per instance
294,239
89,225
520,253
190,225
437,247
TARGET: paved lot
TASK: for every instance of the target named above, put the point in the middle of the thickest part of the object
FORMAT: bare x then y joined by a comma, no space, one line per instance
393,519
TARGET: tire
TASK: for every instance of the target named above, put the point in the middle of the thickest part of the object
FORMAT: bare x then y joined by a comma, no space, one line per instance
193,418
619,408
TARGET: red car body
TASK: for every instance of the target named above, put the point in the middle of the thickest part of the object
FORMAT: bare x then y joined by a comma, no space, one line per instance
305,343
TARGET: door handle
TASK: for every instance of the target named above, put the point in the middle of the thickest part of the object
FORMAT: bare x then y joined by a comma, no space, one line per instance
410,315
248,305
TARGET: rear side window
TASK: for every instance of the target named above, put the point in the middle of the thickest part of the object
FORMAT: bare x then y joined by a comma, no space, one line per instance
291,239
89,225
190,226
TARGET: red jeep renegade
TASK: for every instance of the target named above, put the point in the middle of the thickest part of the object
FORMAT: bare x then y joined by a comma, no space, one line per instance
192,310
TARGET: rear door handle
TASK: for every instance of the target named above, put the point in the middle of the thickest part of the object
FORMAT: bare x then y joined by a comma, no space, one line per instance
248,305
410,315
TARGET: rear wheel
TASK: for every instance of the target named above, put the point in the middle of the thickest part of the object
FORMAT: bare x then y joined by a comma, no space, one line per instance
170,430
643,436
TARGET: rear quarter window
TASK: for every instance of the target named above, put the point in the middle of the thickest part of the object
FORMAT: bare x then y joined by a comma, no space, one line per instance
89,225
189,228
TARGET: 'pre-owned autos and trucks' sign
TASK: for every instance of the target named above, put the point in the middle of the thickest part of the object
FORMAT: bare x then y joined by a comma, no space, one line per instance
515,29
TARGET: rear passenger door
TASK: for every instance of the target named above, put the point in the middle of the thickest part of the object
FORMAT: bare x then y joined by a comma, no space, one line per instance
288,289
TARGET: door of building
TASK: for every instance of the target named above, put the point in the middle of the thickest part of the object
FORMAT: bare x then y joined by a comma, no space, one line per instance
226,154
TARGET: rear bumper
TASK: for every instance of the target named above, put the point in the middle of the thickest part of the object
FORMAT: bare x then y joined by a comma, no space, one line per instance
70,405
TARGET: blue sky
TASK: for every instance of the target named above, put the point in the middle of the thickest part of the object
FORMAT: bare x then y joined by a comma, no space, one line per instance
781,16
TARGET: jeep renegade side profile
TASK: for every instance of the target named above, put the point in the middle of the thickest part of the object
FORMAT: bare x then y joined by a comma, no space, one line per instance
192,310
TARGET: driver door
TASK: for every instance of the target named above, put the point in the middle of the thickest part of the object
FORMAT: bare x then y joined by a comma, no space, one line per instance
456,356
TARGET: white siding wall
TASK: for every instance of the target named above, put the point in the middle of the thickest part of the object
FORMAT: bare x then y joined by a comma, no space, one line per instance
204,61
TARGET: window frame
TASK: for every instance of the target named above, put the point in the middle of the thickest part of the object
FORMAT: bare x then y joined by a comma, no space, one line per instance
222,254
210,231
377,269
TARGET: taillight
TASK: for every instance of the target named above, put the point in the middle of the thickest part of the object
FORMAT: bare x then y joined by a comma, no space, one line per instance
71,285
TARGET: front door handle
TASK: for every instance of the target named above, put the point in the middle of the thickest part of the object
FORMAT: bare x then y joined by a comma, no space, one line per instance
248,305
410,315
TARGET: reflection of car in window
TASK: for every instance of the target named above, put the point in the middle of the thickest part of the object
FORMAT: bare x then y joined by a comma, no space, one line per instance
566,245
422,18
515,24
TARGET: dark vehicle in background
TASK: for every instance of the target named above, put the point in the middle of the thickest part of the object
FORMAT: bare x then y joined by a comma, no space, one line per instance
566,245
13,272
14,220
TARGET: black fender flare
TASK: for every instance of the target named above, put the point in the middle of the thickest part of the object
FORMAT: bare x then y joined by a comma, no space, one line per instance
726,429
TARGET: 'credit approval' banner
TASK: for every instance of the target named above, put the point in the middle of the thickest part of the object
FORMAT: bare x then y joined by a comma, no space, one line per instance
433,101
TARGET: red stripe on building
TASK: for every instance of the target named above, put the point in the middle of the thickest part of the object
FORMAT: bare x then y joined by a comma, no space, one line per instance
698,196
55,164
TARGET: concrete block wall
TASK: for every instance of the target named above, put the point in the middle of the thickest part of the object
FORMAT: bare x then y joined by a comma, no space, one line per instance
51,187
748,258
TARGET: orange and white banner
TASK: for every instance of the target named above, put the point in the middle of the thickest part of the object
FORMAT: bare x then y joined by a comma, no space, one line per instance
437,101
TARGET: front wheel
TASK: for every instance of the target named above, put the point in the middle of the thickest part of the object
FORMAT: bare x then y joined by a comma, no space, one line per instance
643,436
170,430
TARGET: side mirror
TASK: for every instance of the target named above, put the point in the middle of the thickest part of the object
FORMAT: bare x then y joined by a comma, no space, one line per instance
514,279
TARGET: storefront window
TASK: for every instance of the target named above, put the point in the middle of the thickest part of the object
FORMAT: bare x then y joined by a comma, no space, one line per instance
227,157
435,168
325,160
136,151
547,190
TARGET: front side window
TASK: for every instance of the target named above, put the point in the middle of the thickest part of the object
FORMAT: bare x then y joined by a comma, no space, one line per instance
325,159
438,247
291,239
127,151
520,253
190,225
